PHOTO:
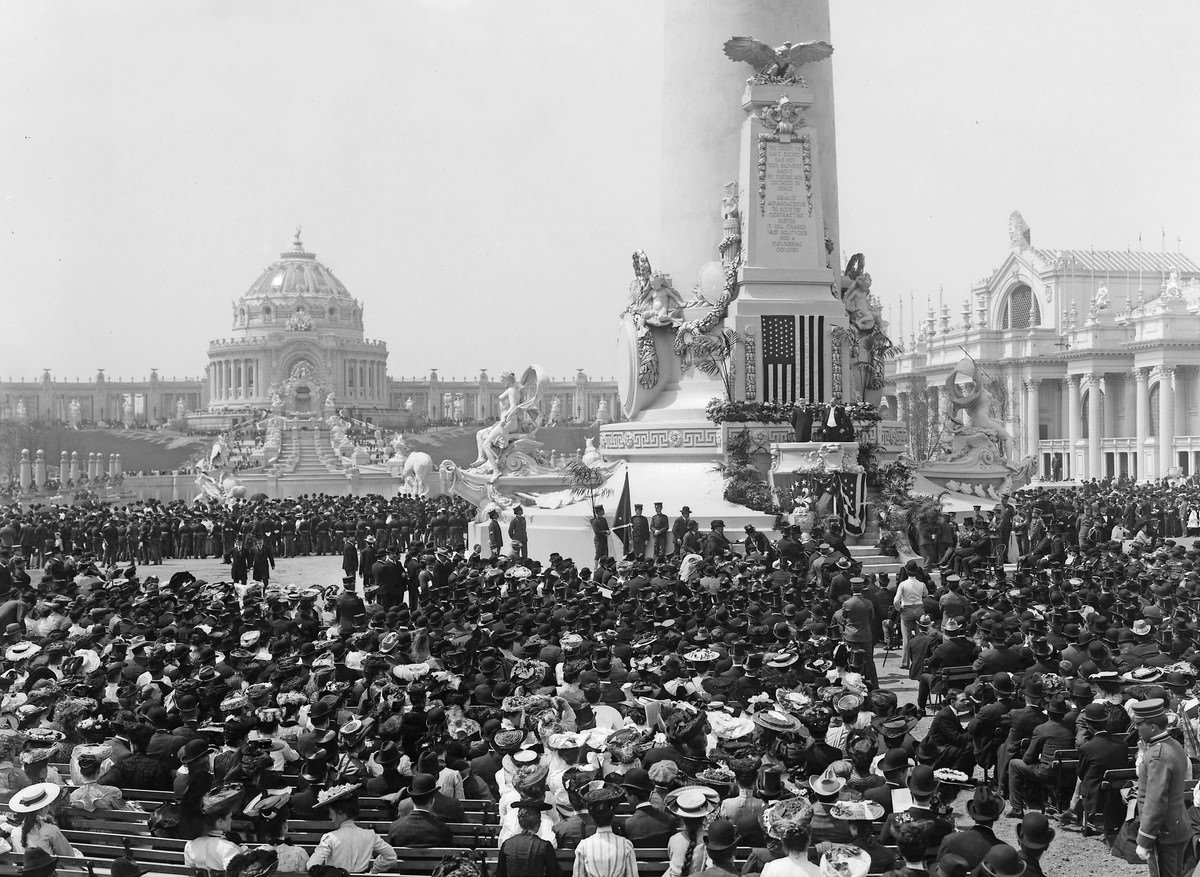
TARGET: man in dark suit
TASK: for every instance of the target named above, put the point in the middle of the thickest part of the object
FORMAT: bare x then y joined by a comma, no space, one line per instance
857,617
423,793
518,534
420,826
349,607
802,422
349,556
679,529
264,562
955,651
647,826
495,534
386,575
1102,753
973,843
366,559
948,739
1034,769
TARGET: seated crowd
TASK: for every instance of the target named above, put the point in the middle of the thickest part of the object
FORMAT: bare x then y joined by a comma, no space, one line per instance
548,719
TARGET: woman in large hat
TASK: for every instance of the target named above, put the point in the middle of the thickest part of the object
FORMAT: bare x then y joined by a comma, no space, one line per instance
212,851
32,803
692,805
269,812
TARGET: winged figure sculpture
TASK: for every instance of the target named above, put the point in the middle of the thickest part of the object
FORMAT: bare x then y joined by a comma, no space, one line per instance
781,62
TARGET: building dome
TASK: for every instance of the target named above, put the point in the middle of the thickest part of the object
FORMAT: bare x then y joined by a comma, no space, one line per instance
297,273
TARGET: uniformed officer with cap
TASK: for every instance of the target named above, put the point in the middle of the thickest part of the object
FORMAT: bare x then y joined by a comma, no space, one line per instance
639,531
1163,829
660,526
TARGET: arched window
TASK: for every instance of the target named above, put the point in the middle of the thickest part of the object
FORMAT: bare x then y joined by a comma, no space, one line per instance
333,314
1083,413
1154,396
266,313
1021,309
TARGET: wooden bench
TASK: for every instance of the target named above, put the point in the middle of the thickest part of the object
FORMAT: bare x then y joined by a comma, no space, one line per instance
949,678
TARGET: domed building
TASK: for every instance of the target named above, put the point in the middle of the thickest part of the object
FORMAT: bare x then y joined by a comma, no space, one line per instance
297,333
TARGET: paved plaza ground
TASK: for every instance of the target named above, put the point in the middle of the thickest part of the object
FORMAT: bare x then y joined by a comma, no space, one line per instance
1071,855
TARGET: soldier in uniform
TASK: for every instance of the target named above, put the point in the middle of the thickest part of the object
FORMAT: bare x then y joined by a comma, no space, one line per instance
660,526
639,531
599,533
1164,832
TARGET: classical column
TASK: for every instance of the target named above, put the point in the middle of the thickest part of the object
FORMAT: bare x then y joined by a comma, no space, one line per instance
1166,419
902,407
245,379
229,379
1141,420
1095,468
1033,418
1073,424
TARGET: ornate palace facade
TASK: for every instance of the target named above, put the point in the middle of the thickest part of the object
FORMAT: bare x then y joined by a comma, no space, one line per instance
298,333
1093,358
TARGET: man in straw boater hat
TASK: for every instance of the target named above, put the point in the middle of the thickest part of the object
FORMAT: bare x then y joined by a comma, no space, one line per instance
349,846
1164,831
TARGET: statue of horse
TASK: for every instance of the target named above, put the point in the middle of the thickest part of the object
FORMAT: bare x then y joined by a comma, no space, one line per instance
418,473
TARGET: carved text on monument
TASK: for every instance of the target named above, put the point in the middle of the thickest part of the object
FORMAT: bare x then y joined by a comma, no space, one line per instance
786,203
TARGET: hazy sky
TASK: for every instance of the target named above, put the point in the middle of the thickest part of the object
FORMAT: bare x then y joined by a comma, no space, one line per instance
477,172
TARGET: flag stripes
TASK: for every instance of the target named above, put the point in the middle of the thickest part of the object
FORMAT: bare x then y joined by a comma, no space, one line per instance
779,358
793,362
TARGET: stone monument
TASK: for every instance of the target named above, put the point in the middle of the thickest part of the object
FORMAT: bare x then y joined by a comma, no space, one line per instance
73,414
764,321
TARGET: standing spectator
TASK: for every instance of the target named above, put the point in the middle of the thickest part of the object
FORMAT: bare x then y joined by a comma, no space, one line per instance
1164,831
495,534
518,534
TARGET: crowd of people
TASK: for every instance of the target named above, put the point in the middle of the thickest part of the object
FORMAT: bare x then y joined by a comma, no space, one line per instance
715,702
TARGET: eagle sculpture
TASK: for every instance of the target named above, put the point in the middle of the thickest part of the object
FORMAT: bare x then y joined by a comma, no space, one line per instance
778,63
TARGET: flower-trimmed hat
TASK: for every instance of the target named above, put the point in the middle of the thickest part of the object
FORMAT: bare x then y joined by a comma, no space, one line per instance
337,793
787,815
221,799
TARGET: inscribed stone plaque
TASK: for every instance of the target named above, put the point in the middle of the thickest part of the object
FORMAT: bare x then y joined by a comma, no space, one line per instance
787,207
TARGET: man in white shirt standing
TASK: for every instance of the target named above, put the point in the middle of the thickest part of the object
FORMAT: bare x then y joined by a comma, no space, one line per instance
909,602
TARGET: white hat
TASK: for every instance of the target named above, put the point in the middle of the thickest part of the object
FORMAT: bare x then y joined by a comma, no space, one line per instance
33,798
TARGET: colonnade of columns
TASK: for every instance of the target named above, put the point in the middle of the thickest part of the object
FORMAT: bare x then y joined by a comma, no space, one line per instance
235,378
1153,454
364,379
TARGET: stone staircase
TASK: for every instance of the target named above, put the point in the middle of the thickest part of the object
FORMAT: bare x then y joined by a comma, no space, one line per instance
304,453
310,460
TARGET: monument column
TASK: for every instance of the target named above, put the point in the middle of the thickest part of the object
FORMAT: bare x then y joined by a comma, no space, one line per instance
1094,426
1166,419
1141,420
1032,418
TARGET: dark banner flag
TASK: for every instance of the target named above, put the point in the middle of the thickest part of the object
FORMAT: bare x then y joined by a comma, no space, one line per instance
624,513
